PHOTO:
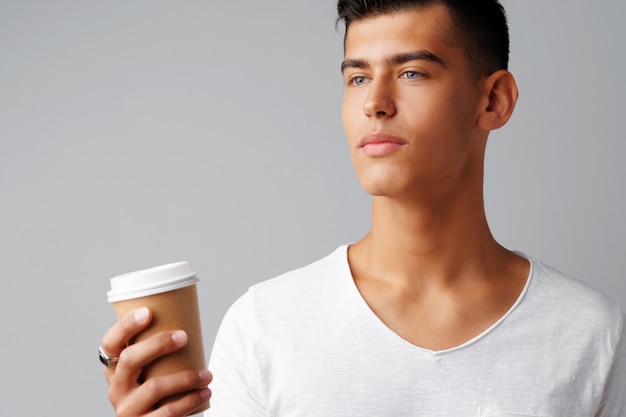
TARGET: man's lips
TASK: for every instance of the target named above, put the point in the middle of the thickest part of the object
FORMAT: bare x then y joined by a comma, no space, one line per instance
380,144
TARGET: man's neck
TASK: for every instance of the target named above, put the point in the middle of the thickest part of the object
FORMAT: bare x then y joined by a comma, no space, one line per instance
433,273
416,245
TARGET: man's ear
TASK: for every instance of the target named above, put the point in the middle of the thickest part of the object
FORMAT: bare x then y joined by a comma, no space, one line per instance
500,96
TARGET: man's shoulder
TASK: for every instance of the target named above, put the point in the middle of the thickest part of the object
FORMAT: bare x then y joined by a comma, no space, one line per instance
308,284
314,275
564,295
295,295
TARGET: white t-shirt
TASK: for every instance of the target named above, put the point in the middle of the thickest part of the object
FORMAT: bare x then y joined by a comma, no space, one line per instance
307,344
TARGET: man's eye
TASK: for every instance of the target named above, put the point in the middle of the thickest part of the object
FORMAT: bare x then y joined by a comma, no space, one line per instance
412,75
358,80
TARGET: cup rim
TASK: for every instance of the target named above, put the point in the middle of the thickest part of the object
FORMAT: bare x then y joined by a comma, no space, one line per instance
151,281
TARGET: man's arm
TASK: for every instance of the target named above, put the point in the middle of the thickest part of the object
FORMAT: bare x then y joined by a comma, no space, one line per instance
237,385
613,403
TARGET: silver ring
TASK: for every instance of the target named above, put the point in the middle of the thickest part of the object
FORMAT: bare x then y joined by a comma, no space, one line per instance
106,359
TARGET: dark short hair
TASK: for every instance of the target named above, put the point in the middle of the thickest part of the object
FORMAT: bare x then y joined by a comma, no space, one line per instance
480,26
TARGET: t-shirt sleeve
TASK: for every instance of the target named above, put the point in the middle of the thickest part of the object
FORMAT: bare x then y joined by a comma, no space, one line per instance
235,385
613,403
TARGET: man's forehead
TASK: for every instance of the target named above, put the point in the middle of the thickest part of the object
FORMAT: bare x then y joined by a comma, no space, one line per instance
427,25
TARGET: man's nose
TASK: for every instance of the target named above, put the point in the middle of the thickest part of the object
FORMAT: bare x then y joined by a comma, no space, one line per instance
380,101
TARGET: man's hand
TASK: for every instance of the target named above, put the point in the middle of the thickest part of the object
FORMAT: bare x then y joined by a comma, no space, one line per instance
132,398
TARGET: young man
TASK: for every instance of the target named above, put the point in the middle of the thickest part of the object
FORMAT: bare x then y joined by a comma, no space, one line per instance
427,315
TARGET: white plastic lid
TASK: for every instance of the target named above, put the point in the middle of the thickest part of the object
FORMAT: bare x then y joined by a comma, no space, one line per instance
151,281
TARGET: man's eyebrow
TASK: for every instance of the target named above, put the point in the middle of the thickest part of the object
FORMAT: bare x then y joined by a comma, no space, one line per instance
396,59
353,63
415,56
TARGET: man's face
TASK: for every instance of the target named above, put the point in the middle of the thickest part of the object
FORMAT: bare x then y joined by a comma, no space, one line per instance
410,104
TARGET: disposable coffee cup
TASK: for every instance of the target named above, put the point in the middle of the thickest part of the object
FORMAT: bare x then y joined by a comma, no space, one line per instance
170,292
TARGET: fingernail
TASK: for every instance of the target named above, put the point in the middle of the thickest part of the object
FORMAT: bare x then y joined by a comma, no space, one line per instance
205,394
205,376
179,337
141,315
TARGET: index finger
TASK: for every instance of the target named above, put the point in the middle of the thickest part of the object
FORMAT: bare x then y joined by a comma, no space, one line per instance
118,335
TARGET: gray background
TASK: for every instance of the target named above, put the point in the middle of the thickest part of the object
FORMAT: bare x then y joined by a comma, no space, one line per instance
137,133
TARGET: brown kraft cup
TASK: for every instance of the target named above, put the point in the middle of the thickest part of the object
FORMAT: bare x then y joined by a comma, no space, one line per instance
170,292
